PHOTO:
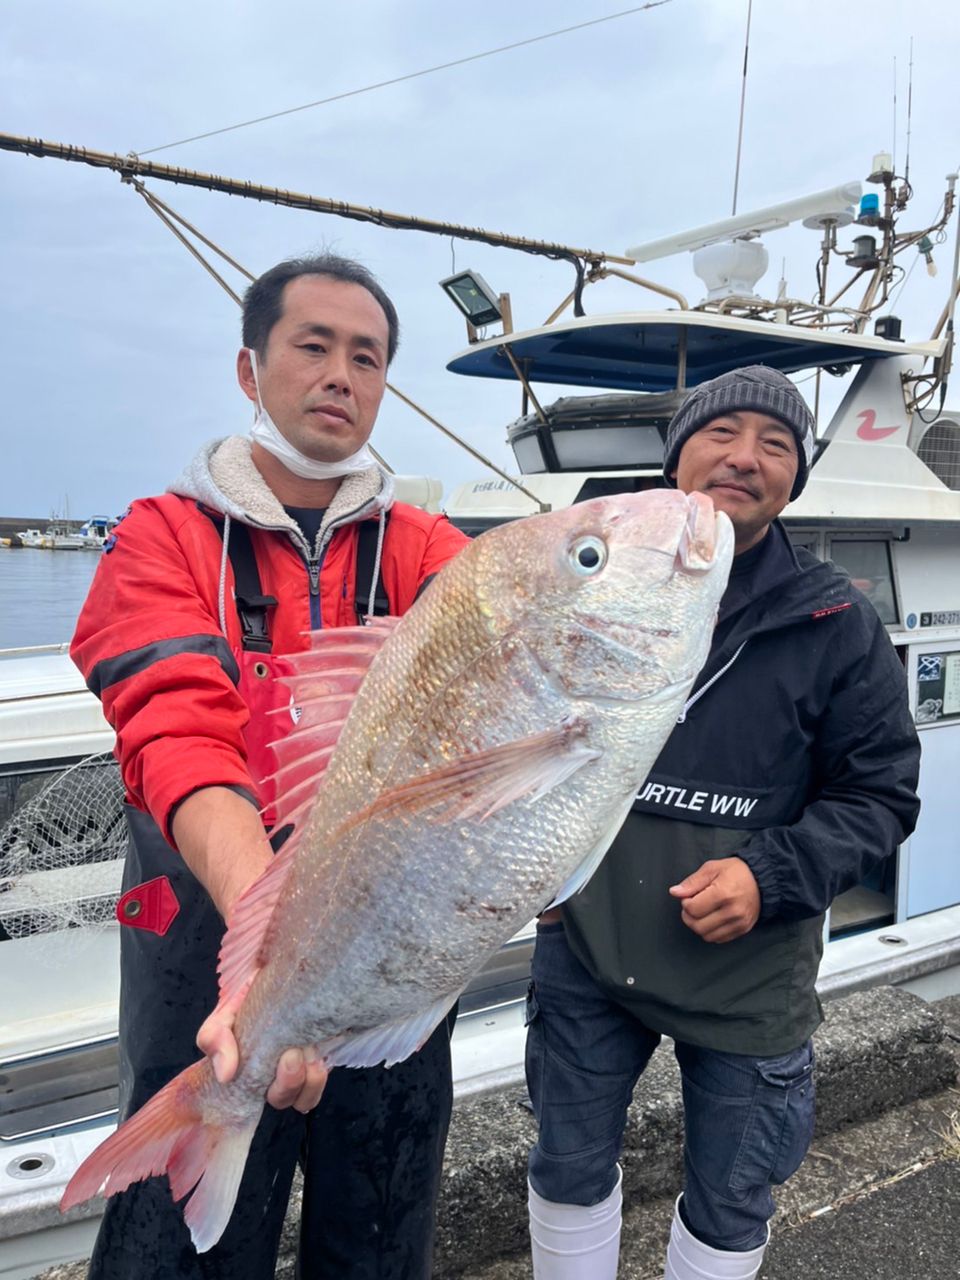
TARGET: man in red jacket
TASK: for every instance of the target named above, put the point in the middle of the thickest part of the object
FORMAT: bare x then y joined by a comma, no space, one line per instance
262,539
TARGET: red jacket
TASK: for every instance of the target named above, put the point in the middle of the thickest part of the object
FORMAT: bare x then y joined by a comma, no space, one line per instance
150,645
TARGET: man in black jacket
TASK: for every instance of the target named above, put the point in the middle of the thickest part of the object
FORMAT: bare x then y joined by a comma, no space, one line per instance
793,771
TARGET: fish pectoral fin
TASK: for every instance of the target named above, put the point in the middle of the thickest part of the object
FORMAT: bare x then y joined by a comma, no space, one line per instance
479,784
389,1043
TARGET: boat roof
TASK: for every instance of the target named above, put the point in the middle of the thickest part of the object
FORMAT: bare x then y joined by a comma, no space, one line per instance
638,351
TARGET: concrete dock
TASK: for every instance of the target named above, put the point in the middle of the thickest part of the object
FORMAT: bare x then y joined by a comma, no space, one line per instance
878,1195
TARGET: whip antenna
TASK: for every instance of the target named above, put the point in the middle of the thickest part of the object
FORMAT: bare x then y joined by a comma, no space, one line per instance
906,163
743,100
893,149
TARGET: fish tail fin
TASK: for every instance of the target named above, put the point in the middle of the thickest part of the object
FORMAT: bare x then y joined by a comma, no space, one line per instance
168,1135
219,1154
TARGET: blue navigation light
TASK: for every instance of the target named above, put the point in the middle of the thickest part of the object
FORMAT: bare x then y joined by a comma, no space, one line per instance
869,205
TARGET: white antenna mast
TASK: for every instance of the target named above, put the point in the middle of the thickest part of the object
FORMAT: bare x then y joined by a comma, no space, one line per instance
906,163
893,157
743,99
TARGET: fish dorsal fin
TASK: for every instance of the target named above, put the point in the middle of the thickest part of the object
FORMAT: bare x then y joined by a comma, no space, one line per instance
323,681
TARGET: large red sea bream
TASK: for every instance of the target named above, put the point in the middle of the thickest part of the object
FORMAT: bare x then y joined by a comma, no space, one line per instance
451,775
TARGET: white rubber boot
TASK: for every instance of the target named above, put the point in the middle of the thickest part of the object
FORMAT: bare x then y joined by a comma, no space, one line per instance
690,1259
575,1241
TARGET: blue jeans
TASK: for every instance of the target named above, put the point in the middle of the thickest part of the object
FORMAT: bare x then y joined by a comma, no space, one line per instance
749,1121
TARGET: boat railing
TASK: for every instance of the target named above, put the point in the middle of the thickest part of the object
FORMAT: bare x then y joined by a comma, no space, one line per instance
35,650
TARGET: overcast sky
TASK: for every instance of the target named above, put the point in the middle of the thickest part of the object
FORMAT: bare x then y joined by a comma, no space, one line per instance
118,350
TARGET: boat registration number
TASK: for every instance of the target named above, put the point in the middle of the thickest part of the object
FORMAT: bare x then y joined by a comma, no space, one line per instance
945,618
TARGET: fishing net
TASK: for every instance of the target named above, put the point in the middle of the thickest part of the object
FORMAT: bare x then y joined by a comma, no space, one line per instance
61,851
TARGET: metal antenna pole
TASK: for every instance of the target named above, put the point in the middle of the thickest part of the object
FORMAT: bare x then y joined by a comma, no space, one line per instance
954,287
893,149
906,163
743,100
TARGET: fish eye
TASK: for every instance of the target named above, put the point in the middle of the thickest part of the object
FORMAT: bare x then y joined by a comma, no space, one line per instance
588,556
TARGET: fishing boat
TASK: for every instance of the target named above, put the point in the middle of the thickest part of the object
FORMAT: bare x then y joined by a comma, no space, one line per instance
94,532
59,1020
883,500
30,538
60,536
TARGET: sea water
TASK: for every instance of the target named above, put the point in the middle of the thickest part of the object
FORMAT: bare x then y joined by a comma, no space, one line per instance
41,593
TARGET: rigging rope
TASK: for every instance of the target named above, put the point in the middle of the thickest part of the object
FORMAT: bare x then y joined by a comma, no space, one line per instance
411,75
168,216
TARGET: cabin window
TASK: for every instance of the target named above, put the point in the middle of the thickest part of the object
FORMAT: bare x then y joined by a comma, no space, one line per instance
529,456
868,563
597,448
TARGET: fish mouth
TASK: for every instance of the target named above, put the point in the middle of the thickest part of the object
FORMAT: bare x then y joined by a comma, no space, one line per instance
707,537
697,548
680,526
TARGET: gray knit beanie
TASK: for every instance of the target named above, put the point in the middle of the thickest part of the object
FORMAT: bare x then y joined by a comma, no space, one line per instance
756,387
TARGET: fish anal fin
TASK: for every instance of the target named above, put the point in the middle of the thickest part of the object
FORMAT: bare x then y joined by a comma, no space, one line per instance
390,1043
210,1207
480,783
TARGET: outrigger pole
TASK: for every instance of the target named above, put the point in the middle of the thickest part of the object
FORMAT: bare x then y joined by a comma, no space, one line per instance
132,166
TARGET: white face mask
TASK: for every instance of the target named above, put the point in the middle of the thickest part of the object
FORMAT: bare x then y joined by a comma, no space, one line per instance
264,431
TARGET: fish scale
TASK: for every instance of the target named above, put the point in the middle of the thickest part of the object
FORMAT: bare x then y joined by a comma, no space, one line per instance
489,756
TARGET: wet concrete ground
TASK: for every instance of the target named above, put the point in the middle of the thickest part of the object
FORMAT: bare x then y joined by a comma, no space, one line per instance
838,1218
876,1200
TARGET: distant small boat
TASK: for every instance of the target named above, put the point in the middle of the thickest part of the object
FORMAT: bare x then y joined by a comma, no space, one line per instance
60,537
96,531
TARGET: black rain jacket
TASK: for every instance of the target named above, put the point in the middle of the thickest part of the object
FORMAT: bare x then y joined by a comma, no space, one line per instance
797,753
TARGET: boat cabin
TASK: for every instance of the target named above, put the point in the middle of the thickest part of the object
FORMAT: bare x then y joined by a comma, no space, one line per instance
883,501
